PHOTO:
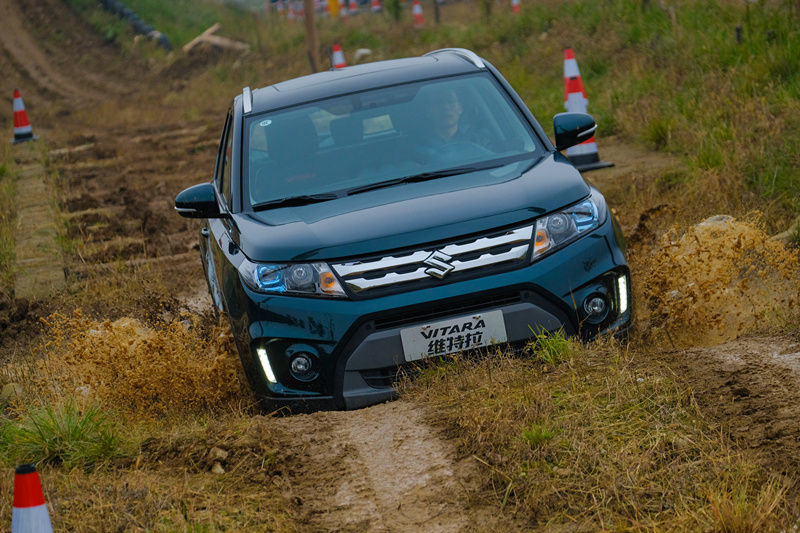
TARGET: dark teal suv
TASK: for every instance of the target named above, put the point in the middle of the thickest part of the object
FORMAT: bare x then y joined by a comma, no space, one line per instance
365,218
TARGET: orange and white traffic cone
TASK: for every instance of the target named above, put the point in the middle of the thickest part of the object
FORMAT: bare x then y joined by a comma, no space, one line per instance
375,6
338,57
342,9
416,13
584,155
30,510
515,7
353,7
22,126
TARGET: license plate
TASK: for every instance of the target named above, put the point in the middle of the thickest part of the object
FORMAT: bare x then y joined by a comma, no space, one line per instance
453,335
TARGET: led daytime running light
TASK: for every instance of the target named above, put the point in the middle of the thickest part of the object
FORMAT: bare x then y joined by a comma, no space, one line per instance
622,286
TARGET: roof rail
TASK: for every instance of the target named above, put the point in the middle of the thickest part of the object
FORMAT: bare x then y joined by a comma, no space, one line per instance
247,100
469,55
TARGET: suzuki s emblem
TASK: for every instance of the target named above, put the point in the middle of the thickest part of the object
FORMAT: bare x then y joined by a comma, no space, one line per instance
438,263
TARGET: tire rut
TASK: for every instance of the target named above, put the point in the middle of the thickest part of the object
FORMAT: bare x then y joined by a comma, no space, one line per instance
382,468
752,386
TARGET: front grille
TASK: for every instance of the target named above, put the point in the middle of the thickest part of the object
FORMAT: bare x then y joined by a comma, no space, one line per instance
381,378
506,249
446,309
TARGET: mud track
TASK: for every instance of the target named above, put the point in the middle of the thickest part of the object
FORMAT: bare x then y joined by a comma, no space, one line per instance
752,387
382,468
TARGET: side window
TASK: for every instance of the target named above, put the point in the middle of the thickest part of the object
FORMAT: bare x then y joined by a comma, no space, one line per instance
226,170
220,163
223,170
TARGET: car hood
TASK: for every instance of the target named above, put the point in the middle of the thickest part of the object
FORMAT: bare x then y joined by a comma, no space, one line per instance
411,214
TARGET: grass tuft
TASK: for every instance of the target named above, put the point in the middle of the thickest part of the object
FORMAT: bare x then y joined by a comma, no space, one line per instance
63,434
536,435
550,348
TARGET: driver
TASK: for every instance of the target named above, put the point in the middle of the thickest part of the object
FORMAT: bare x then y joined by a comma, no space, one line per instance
444,110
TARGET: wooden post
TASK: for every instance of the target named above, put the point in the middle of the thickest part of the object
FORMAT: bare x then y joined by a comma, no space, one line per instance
311,34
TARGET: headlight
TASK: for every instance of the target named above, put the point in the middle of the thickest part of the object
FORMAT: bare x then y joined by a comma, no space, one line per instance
558,229
306,279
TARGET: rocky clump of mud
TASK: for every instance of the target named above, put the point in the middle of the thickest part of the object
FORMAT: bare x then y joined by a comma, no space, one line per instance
16,315
716,280
132,367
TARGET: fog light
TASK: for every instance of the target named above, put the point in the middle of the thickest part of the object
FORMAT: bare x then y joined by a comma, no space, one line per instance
301,366
264,359
596,307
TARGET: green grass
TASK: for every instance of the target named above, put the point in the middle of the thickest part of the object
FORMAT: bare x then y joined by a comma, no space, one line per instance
63,434
180,20
673,78
550,348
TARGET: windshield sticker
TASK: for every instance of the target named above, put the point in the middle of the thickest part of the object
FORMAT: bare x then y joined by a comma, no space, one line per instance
265,123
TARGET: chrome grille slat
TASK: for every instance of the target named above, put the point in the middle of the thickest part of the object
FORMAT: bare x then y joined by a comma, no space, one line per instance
511,246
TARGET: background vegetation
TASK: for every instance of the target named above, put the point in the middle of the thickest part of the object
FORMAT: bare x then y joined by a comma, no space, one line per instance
715,83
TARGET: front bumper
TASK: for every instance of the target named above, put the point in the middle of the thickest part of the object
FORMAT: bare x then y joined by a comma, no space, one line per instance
356,347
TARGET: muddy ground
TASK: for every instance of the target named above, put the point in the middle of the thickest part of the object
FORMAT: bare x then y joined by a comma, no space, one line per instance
122,149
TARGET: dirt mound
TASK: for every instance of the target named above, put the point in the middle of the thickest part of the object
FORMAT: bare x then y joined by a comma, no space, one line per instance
180,366
16,316
78,65
716,280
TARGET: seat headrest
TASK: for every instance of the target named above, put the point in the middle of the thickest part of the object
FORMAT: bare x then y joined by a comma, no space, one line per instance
291,137
347,130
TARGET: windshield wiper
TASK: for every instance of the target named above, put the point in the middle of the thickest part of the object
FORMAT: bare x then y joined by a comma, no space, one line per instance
294,201
414,178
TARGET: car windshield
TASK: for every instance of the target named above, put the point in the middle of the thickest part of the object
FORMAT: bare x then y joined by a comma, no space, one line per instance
358,141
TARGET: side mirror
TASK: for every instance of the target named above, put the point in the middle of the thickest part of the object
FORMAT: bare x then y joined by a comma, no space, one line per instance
198,201
572,128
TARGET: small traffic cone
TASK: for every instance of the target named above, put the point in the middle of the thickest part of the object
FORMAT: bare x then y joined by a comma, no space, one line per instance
353,7
30,510
375,6
416,12
515,7
584,155
342,9
22,126
280,8
338,57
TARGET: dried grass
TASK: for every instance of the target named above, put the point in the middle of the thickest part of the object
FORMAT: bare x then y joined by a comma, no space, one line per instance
169,486
601,441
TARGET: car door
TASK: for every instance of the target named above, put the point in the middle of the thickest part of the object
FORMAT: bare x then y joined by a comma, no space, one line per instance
215,234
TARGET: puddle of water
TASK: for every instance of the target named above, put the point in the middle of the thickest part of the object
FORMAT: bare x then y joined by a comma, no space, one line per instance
141,369
717,280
